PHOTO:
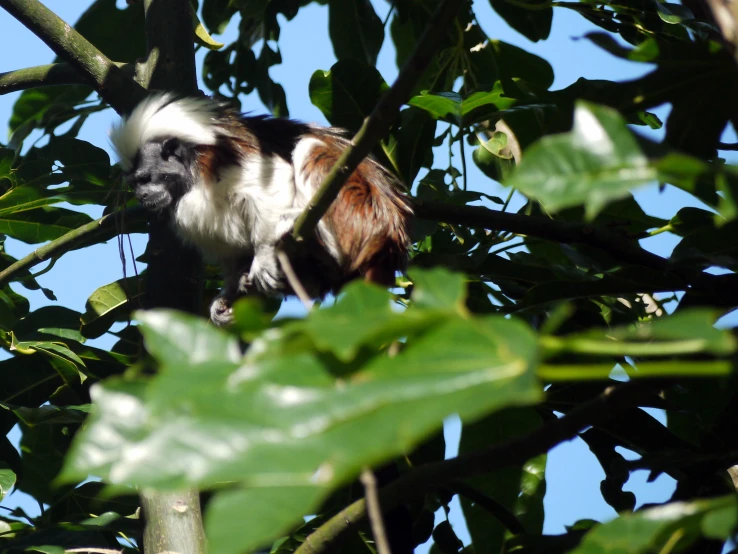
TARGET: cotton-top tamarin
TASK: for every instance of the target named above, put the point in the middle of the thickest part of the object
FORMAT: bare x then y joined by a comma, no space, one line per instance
234,185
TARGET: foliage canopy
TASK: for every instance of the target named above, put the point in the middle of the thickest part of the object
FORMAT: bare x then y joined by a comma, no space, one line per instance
533,326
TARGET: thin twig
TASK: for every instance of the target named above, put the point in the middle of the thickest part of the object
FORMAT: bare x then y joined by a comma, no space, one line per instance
375,511
378,123
117,89
293,280
68,242
510,453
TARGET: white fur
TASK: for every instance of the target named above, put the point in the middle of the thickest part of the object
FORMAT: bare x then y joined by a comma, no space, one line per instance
239,212
158,116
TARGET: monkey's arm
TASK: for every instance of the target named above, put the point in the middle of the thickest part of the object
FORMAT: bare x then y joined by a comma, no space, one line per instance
236,283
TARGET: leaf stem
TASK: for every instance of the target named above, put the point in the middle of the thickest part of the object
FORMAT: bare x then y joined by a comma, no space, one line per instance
665,229
620,348
572,372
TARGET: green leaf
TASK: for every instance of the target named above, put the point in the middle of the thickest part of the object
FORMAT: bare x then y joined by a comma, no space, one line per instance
356,31
451,107
347,93
7,480
337,329
28,380
534,22
646,51
177,340
52,415
50,320
597,162
414,143
438,289
709,246
42,453
650,530
506,486
38,225
111,303
279,419
216,14
517,63
202,37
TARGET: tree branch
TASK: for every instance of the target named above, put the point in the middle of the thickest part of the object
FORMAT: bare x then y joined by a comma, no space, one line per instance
549,229
118,90
39,76
432,476
71,240
52,74
378,123
173,521
721,287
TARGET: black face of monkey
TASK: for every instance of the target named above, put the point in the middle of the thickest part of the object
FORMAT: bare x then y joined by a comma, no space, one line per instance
162,173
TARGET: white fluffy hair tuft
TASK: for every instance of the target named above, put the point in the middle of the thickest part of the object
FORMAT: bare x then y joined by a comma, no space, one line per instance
163,116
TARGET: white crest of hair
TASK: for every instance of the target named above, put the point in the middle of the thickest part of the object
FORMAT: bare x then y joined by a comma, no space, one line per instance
161,116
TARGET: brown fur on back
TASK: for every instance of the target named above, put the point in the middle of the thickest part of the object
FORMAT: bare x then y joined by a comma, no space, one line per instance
369,217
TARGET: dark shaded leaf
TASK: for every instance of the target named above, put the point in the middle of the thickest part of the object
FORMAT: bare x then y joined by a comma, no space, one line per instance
356,31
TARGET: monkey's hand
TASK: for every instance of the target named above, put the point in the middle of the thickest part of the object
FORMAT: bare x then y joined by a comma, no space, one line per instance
221,311
266,274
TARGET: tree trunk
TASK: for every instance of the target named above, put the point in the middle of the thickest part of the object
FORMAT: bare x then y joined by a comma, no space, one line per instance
173,521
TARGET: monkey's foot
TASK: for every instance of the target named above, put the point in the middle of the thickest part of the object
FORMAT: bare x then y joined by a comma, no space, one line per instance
265,274
221,312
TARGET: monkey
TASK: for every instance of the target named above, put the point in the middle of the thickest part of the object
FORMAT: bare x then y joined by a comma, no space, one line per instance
233,185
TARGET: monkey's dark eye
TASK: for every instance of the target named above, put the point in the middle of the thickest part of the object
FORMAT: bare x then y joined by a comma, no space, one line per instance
169,148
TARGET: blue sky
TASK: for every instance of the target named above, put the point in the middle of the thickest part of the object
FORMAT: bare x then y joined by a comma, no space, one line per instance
573,475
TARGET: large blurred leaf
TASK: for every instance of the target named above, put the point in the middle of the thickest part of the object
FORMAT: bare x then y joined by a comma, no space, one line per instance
280,415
